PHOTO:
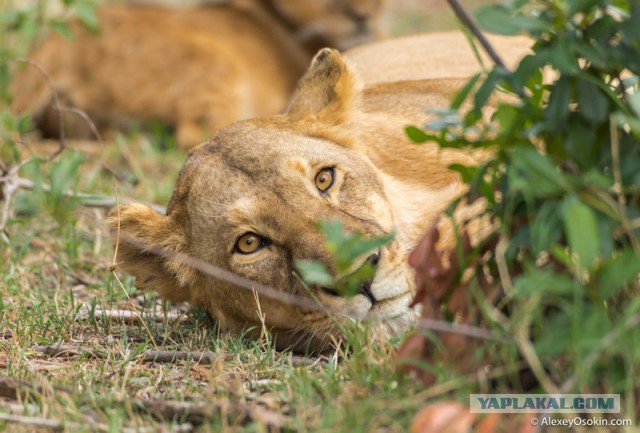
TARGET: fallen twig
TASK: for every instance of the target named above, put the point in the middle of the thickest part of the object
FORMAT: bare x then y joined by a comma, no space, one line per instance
14,389
170,356
88,200
306,361
133,316
68,350
56,425
32,421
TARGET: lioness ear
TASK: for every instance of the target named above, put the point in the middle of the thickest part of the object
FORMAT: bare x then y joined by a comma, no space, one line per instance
147,243
328,90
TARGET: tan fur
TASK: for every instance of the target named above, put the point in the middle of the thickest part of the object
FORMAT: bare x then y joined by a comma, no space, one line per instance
258,176
194,69
431,55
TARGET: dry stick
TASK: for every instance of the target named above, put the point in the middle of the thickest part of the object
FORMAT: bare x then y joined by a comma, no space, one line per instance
88,200
56,350
13,389
56,425
462,329
32,421
617,185
467,21
171,356
129,316
219,273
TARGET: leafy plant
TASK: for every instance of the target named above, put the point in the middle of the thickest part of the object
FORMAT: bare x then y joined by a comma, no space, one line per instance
562,188
23,27
345,248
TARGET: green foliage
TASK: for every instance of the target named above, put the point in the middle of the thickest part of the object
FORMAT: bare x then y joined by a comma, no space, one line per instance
53,182
563,186
54,187
345,248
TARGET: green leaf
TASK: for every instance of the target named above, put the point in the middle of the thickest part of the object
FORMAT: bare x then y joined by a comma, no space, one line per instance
527,67
535,174
468,173
346,247
462,94
499,20
546,227
486,89
314,273
576,6
581,229
417,135
558,108
593,104
543,281
617,271
87,14
562,58
634,101
350,284
62,28
356,246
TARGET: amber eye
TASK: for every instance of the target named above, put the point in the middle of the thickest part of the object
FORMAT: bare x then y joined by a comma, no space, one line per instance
324,179
249,243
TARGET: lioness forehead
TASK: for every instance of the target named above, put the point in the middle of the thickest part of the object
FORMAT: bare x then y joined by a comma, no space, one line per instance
247,162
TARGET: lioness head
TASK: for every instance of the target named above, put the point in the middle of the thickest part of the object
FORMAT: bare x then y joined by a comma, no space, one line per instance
247,201
337,23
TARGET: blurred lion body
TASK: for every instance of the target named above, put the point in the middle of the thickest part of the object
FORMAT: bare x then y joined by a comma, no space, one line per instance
194,69
256,178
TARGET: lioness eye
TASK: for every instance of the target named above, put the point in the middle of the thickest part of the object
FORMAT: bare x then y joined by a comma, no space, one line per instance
249,243
324,179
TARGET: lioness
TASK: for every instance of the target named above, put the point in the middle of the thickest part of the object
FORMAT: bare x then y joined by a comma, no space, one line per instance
248,199
194,69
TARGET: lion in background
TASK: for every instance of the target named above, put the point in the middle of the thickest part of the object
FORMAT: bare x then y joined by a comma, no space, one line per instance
248,199
195,70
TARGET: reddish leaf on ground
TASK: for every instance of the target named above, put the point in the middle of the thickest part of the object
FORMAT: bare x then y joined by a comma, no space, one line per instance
442,294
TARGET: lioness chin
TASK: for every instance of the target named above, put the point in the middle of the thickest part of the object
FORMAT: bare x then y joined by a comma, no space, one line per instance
248,200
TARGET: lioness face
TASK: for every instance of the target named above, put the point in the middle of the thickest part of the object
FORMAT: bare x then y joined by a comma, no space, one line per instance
248,200
343,23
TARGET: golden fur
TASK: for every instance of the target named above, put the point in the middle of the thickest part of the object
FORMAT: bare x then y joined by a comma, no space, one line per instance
194,69
431,55
257,176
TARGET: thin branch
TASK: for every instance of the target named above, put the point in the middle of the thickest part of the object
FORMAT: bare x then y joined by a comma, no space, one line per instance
58,107
87,200
462,329
468,22
222,274
172,356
